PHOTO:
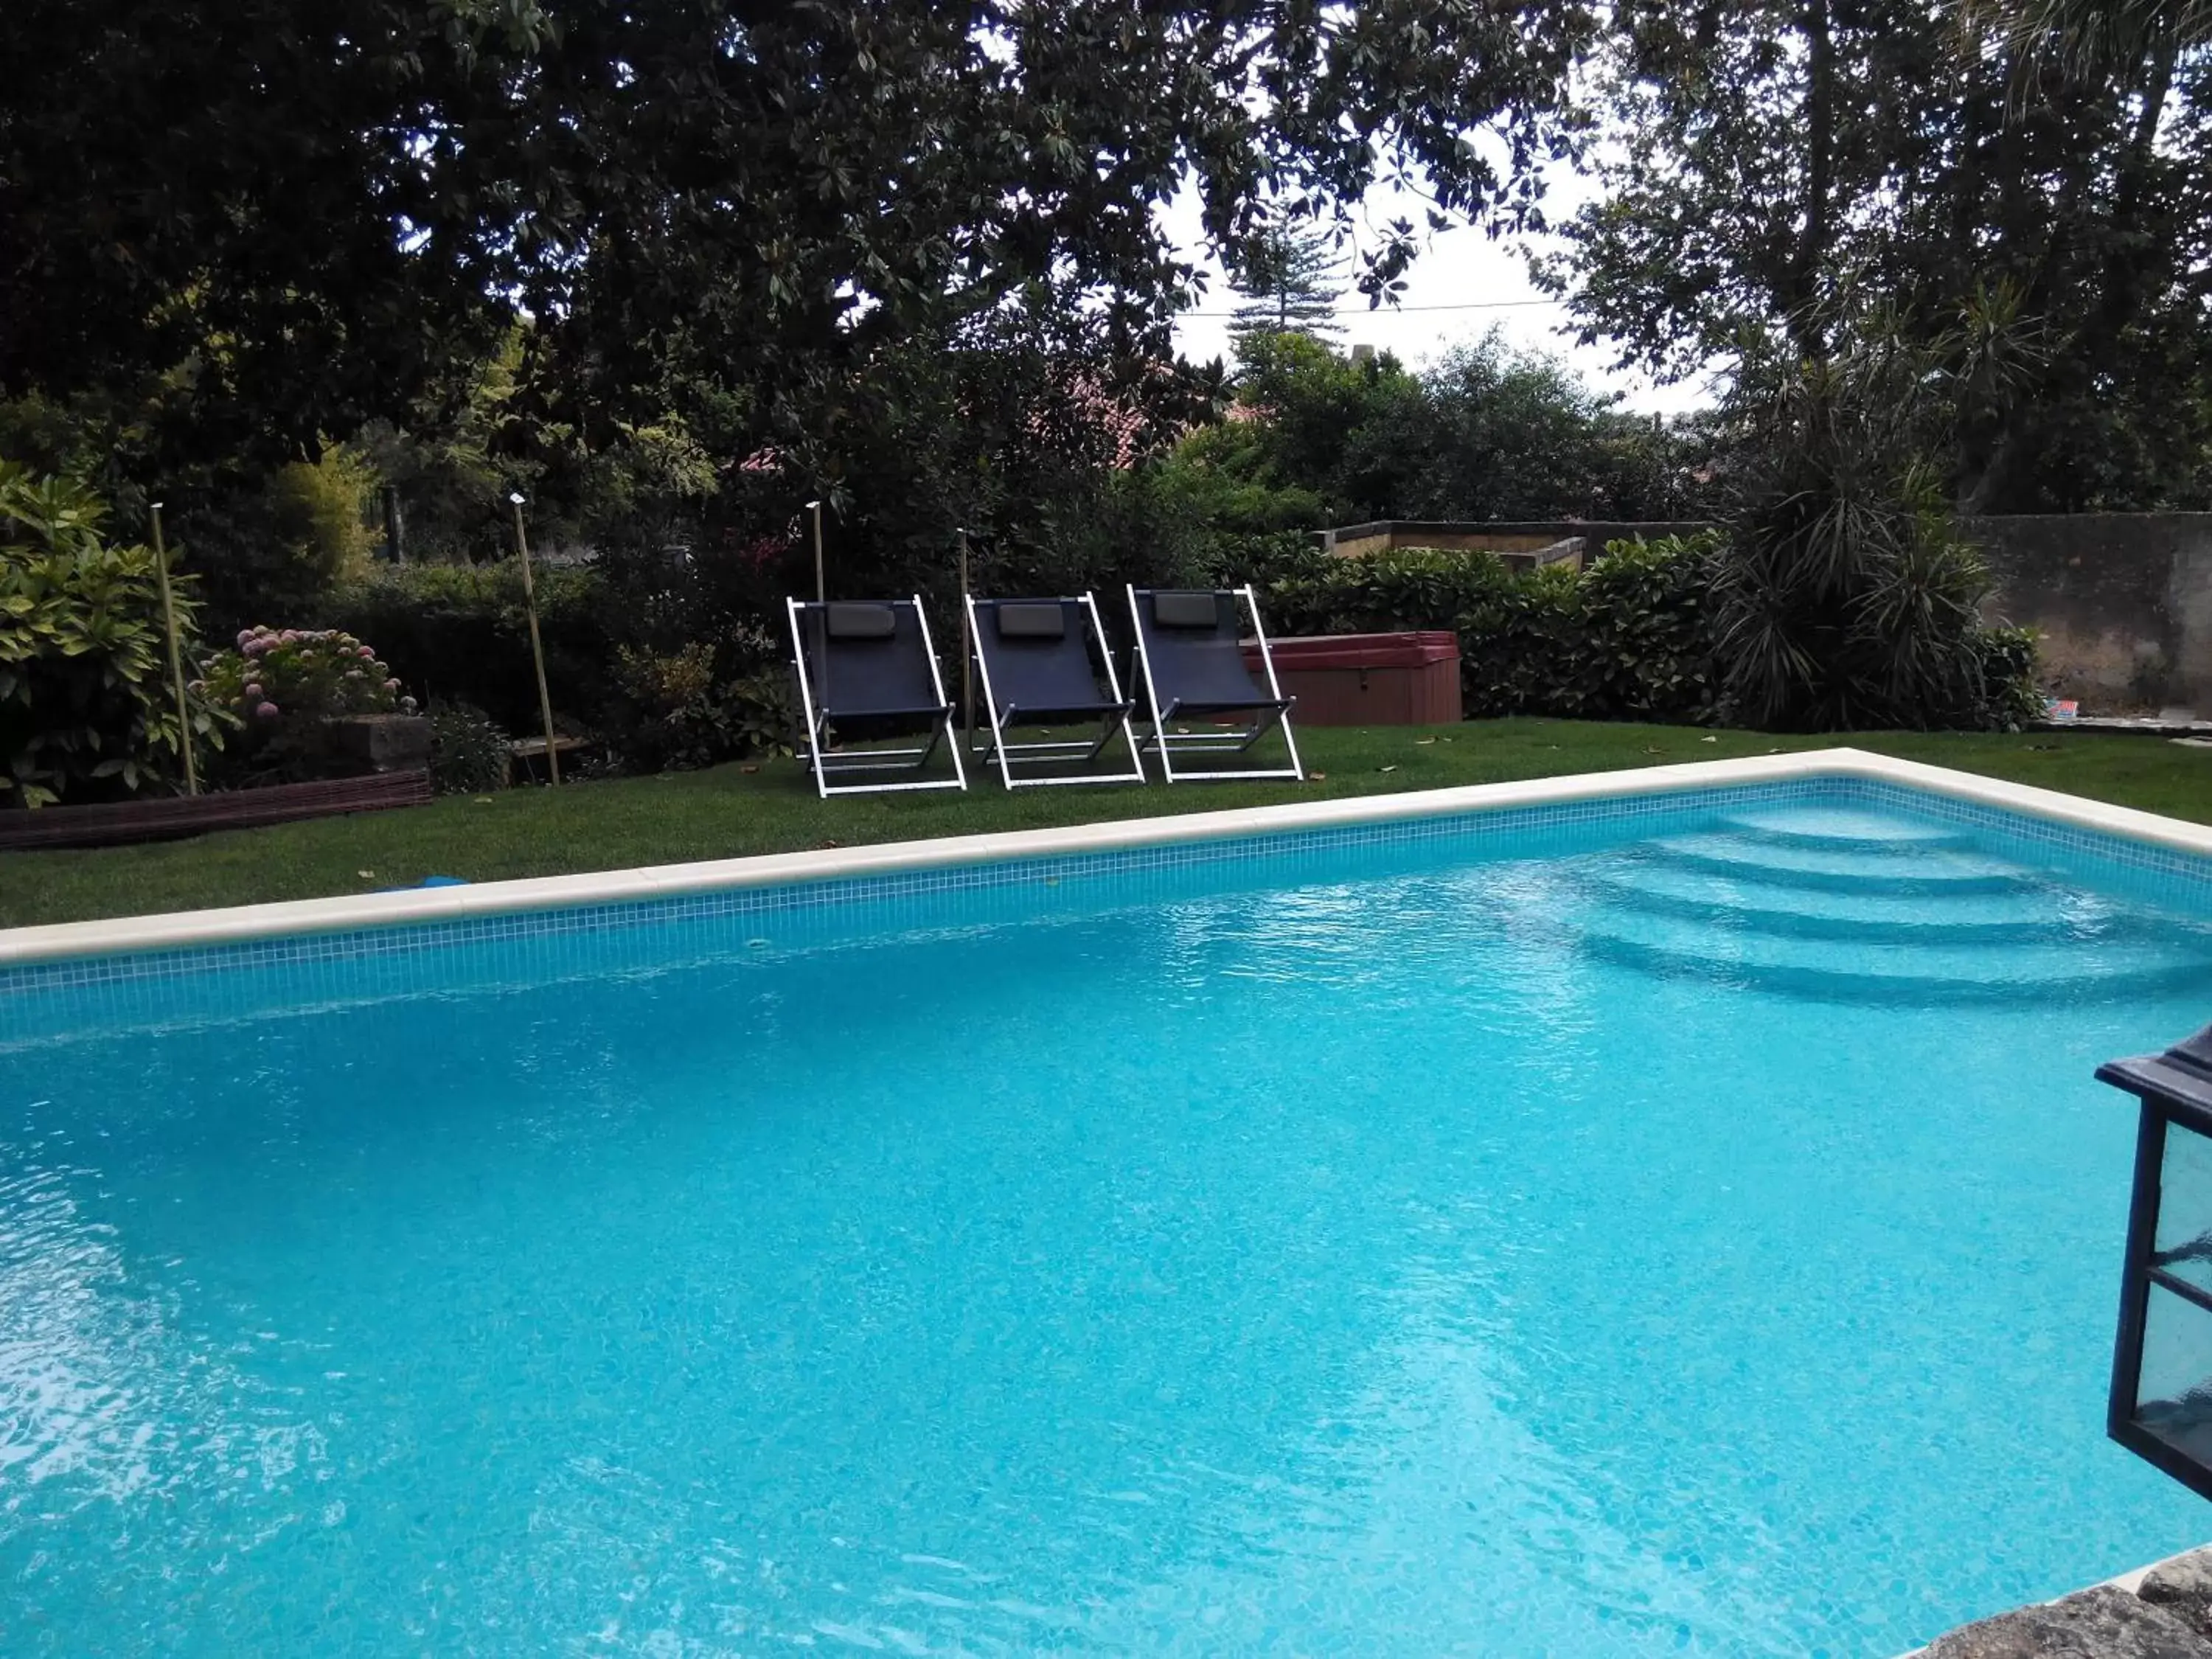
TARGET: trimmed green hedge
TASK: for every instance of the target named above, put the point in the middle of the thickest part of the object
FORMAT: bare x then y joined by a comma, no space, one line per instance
1627,639
1633,637
458,634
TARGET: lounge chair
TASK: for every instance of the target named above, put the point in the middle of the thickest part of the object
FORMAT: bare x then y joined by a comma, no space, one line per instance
870,664
1190,655
1035,658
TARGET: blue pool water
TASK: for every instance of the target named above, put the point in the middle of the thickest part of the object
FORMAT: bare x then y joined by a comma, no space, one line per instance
1701,1242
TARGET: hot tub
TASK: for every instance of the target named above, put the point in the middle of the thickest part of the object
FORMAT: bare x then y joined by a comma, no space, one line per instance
1367,679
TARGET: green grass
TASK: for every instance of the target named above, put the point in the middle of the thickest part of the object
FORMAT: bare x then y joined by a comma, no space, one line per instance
730,812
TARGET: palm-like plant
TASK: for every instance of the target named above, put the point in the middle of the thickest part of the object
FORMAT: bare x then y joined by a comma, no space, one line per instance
2087,34
1844,597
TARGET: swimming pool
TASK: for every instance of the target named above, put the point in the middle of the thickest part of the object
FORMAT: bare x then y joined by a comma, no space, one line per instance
1626,1226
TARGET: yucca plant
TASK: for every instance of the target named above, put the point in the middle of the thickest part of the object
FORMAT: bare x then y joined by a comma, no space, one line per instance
1846,596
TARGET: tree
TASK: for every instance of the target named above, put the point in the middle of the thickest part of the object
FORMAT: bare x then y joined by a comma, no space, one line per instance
300,216
1291,278
1786,165
1487,433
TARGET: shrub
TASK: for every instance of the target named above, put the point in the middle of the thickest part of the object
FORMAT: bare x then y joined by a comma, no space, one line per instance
86,710
468,750
274,676
1648,648
2011,688
1844,595
277,541
282,686
1625,640
458,634
675,712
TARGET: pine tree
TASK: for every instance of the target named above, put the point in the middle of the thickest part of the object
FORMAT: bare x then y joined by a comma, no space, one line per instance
1290,281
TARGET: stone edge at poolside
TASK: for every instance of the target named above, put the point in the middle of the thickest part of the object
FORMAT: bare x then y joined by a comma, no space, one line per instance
2165,1613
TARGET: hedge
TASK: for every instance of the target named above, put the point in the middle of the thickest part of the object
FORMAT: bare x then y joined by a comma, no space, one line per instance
1627,639
458,634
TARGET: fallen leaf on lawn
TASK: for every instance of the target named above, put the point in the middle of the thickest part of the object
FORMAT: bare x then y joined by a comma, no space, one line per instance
828,843
366,875
483,800
1418,742
756,769
1708,740
1386,768
1649,750
1316,777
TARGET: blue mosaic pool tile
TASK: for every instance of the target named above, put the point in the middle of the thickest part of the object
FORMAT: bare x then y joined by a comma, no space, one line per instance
50,1000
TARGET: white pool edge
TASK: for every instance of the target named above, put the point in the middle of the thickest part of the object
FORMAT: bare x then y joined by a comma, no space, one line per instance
176,930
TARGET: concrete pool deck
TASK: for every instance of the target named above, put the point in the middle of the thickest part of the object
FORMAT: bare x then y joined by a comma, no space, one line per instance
179,930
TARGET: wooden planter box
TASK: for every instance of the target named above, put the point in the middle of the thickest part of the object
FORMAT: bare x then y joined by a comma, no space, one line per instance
1367,679
168,817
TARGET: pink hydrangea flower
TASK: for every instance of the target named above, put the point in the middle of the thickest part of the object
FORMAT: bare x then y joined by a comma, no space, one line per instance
392,685
253,692
366,654
267,711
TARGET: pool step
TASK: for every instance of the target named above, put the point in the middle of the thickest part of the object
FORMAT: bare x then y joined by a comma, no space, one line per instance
1842,903
1864,912
2121,964
1843,826
1892,867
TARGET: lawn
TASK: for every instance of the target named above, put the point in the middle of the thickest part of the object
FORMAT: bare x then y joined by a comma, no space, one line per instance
734,811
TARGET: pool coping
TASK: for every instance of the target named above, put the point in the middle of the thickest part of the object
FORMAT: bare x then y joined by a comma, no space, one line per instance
184,929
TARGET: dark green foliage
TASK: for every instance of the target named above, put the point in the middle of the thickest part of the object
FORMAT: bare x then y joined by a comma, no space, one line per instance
1626,640
468,749
300,217
1655,631
2012,694
1783,165
1843,597
675,711
87,708
1647,628
1487,433
458,634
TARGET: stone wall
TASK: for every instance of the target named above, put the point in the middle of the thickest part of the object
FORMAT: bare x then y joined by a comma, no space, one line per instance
2123,601
2164,1612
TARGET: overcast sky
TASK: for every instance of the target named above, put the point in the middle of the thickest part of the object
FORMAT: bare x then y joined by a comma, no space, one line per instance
1483,283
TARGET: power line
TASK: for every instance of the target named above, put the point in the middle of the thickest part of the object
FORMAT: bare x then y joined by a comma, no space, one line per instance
1381,310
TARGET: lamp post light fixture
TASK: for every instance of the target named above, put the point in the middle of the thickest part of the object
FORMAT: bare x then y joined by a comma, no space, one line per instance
2161,1401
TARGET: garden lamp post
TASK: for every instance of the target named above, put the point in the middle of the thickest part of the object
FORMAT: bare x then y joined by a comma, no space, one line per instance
2161,1401
176,653
967,651
537,646
821,582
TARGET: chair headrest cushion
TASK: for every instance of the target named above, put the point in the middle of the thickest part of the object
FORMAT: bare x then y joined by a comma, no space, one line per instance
1018,620
1186,611
846,621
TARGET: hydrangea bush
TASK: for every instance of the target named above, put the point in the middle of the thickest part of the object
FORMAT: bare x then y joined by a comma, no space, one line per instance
279,678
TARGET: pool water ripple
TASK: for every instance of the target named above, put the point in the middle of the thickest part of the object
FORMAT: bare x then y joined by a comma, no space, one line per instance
1706,1244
